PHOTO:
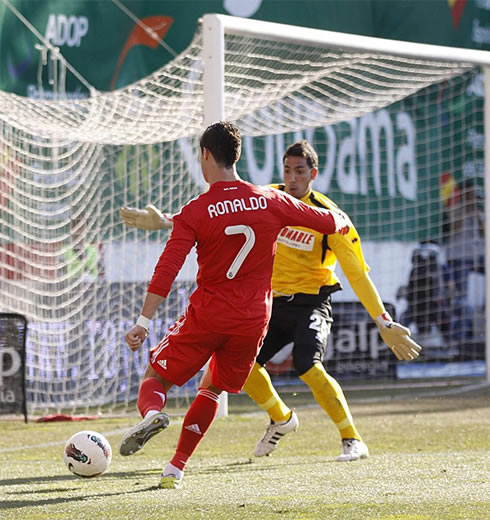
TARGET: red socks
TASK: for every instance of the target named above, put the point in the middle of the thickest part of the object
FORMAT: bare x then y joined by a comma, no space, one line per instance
199,417
151,396
197,421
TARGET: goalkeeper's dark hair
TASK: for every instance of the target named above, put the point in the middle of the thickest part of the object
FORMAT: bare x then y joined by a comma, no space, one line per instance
224,141
302,149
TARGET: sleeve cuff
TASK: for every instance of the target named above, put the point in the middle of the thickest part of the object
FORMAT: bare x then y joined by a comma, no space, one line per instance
383,319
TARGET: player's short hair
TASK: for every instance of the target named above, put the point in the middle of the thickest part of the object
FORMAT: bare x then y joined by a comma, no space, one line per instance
224,141
302,149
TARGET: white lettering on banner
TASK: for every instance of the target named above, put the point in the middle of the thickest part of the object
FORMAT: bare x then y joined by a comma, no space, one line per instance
14,363
346,162
62,30
383,123
347,158
296,239
346,341
104,358
236,205
7,396
375,124
406,171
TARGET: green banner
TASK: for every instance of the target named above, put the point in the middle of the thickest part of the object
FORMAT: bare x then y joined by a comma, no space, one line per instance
399,165
109,45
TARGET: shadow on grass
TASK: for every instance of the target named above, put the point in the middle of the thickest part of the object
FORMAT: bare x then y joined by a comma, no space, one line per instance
250,466
16,504
74,478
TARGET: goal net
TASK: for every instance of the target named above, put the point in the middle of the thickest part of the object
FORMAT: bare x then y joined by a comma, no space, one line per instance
398,128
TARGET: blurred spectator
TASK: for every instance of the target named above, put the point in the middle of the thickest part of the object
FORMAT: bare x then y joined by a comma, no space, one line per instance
426,295
465,253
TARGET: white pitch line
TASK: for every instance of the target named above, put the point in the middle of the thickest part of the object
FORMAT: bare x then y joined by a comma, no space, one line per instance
55,443
61,443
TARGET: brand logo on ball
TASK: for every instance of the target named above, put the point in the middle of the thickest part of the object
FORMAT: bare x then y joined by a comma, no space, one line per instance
87,454
73,452
100,444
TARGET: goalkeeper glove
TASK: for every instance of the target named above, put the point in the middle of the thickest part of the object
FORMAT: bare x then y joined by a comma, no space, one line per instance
149,218
397,337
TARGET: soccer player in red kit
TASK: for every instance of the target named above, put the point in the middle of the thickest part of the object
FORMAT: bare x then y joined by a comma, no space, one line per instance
234,226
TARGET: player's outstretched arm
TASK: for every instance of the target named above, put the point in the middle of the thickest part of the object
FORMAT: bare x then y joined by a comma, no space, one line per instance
397,337
149,218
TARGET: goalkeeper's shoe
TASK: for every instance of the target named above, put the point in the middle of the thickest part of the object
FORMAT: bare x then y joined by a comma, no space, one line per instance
274,433
353,449
170,482
140,434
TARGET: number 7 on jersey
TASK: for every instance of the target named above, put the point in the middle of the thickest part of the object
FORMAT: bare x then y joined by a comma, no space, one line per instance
244,251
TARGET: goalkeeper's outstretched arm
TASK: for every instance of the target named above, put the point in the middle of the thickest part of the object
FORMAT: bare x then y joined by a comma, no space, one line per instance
396,336
149,218
348,251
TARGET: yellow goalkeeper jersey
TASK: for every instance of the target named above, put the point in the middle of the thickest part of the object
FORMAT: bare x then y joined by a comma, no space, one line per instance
305,260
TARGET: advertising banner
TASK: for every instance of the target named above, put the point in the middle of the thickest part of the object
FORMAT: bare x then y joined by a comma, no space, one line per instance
85,359
112,44
13,332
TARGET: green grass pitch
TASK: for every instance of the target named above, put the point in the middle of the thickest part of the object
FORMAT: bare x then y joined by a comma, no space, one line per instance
430,459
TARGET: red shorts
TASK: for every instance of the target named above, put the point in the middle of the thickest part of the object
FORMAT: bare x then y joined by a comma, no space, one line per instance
186,348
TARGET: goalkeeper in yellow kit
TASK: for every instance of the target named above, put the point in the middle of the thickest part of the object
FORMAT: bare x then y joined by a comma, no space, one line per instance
303,281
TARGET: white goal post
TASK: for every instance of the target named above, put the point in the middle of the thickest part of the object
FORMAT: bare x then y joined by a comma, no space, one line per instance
217,27
67,165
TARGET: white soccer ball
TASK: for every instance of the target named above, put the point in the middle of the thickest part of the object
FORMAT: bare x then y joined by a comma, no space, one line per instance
87,454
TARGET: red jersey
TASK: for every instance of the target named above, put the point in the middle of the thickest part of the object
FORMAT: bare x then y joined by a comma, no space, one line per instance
234,226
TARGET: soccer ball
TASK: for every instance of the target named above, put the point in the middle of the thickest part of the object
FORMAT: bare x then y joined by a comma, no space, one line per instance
87,454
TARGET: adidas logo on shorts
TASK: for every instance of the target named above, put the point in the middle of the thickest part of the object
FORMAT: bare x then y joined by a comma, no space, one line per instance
163,363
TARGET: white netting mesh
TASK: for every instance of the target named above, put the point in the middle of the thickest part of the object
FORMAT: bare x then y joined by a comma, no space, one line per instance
67,166
299,86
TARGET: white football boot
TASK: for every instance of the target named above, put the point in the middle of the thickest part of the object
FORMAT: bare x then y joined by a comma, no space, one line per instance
353,449
140,434
274,433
